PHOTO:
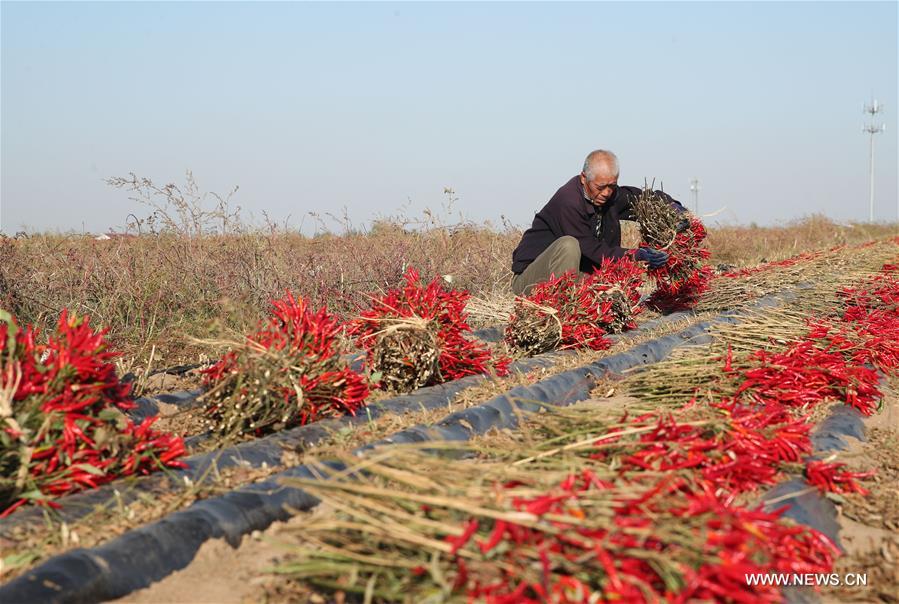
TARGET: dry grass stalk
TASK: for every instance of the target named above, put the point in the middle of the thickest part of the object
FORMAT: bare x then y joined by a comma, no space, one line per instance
490,308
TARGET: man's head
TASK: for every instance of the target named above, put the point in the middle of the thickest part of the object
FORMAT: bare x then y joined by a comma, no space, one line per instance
599,176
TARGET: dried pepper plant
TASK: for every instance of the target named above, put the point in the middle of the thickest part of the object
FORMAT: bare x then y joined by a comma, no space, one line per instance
656,219
292,371
407,328
577,311
534,328
62,426
684,277
737,288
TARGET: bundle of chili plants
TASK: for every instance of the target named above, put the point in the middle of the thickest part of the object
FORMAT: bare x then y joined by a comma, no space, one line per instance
418,335
577,311
797,354
765,266
291,371
684,276
62,426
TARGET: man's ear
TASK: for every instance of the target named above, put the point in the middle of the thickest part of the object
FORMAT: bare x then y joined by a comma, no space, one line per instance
583,178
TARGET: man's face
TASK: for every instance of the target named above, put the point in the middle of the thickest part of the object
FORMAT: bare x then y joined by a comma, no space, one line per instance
602,187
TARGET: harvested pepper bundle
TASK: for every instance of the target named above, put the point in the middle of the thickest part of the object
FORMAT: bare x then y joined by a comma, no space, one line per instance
786,262
684,277
290,372
867,333
736,288
577,311
435,323
804,374
62,426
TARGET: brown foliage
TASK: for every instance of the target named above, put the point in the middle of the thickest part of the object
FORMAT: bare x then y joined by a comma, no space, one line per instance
163,289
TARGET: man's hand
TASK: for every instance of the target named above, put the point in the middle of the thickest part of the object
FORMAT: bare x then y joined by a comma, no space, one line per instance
654,258
683,225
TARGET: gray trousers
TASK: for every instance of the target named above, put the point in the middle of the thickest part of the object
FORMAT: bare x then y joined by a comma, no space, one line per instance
562,255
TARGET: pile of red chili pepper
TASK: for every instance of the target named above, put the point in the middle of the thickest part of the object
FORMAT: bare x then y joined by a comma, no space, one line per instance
674,542
457,354
290,372
62,426
806,375
684,277
577,311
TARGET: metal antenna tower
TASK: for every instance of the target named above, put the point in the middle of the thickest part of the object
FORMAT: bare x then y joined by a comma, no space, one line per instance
872,128
694,188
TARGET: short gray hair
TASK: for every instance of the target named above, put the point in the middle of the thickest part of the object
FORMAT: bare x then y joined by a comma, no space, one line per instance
599,154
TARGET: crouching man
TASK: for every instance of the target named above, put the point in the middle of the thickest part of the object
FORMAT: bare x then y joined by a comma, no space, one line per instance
580,226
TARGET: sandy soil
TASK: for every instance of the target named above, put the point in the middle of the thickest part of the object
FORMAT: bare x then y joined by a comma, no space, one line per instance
869,525
221,574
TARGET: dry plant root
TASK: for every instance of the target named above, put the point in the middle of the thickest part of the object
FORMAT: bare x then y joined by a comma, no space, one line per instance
406,354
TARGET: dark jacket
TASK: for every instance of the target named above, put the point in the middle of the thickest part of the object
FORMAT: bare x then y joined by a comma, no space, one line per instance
598,229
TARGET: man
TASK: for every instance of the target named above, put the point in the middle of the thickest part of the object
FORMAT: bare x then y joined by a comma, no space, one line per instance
579,227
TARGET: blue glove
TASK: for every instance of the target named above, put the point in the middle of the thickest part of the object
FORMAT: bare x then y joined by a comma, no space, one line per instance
683,226
654,258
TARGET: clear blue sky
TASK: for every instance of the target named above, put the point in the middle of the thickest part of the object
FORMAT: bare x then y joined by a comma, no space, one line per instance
316,107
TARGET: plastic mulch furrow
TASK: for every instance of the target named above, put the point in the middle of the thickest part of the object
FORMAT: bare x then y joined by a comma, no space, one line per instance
149,406
149,553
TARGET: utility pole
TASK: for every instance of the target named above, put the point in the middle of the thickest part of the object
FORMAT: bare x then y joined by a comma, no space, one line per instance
694,188
872,128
